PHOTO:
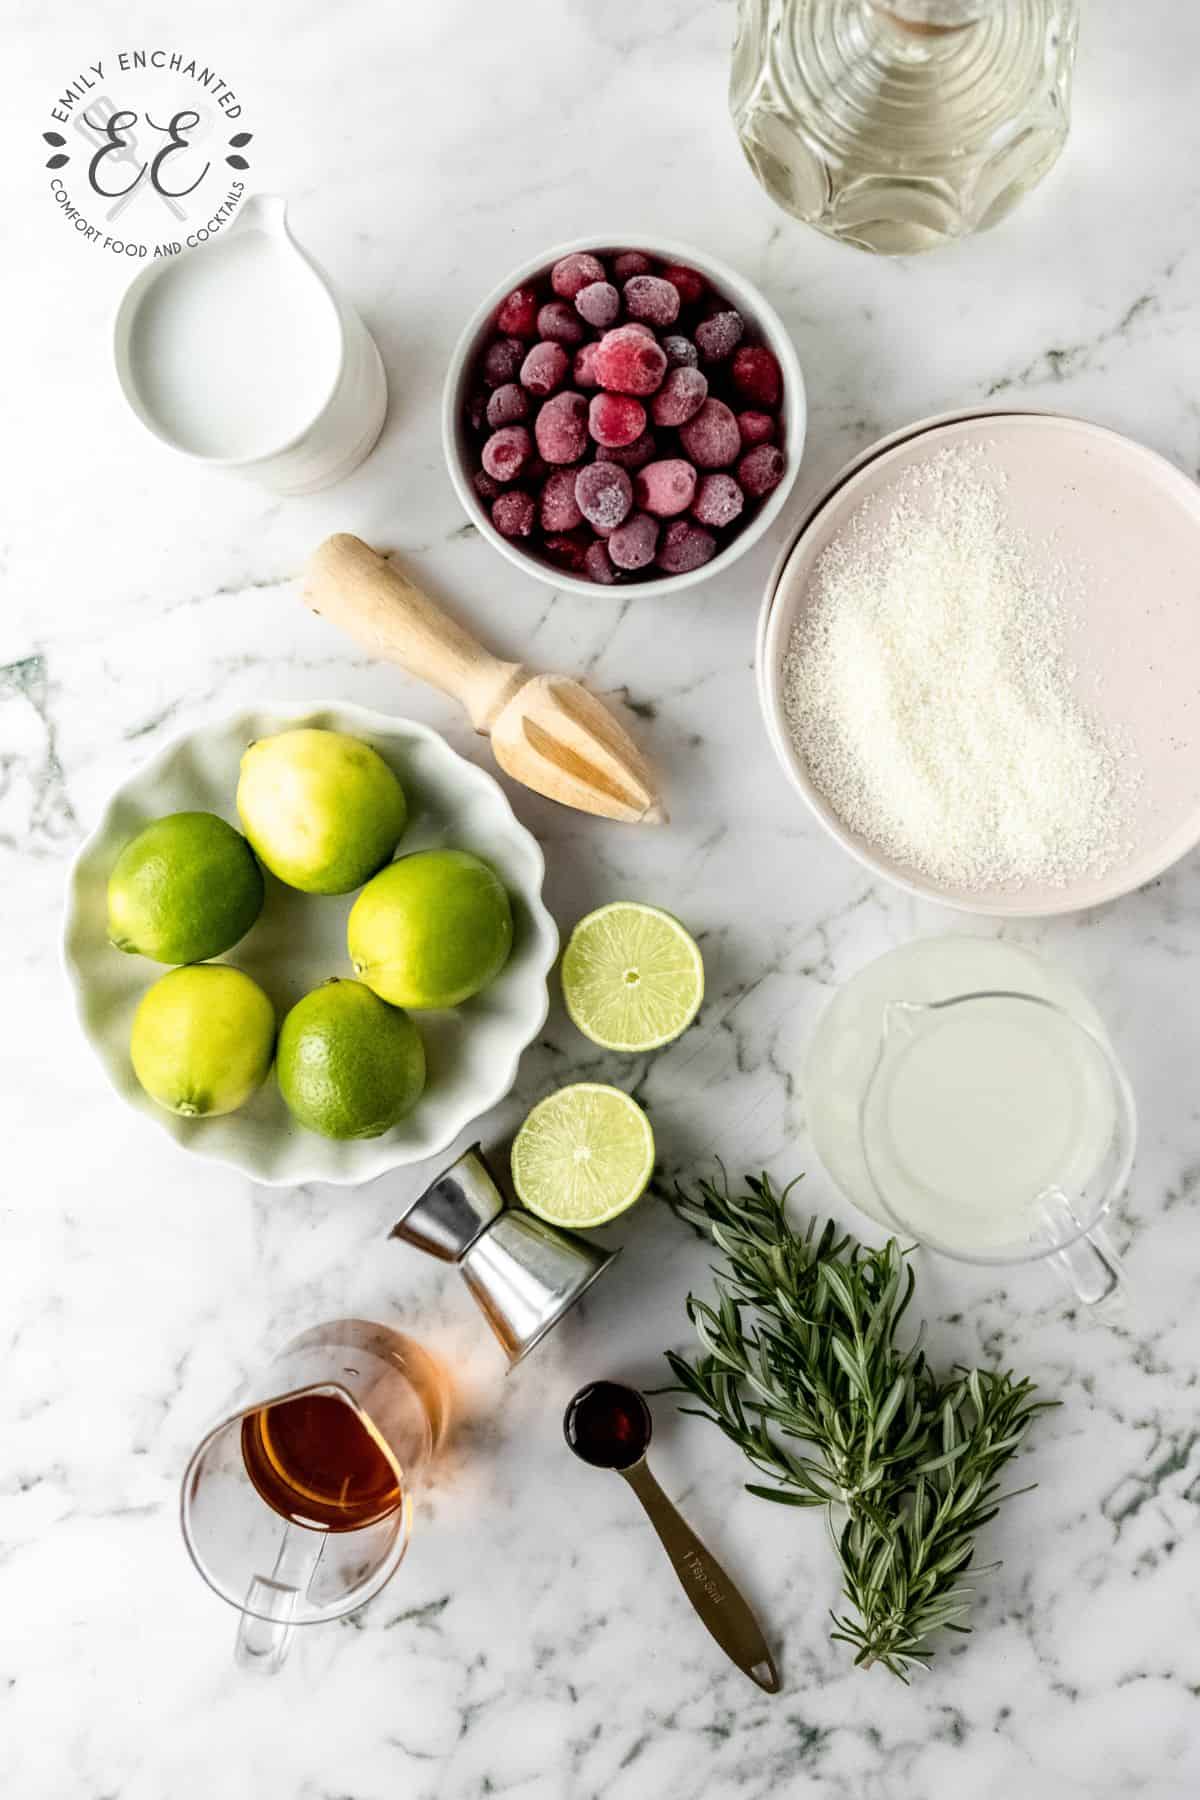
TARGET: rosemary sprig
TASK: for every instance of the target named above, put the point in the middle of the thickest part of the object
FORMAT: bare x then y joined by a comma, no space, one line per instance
802,1369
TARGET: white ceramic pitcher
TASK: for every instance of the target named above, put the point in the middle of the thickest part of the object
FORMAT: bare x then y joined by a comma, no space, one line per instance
243,356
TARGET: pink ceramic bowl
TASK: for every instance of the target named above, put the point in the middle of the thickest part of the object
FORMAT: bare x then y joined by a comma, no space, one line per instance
1118,510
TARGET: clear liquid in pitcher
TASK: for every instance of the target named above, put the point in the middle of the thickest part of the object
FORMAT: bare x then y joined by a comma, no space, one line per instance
985,1117
954,1122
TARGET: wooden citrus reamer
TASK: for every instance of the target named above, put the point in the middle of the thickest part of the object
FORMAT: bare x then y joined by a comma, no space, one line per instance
547,731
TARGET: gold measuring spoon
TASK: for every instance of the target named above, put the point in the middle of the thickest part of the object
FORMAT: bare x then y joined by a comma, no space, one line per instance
608,1425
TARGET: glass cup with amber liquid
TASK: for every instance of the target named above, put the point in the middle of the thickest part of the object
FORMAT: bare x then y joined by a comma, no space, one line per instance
297,1507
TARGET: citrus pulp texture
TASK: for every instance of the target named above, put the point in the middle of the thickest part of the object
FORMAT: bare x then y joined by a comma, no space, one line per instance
202,1039
322,810
431,930
184,889
583,1155
349,1065
632,977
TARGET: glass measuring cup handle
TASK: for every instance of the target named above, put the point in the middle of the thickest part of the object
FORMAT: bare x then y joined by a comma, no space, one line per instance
1088,1264
269,1609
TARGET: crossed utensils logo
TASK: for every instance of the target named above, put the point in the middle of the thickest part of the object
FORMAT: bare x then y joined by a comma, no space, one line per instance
122,166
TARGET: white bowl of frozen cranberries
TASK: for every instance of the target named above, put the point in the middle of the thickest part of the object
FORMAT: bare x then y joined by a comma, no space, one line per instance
624,415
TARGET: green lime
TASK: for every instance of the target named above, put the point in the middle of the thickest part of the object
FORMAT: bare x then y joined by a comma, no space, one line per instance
632,977
349,1066
322,810
431,929
583,1155
202,1039
184,889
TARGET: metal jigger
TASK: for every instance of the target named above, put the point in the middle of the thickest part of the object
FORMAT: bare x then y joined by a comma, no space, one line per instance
523,1273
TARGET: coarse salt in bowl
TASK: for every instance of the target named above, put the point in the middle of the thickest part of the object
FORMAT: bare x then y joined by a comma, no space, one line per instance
765,326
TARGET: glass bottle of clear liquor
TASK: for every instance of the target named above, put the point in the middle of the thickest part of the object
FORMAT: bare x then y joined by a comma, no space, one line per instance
898,125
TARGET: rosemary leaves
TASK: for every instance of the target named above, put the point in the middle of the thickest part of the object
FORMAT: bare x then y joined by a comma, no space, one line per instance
801,1367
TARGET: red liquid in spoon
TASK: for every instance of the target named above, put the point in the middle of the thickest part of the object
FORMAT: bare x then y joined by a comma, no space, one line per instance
608,1425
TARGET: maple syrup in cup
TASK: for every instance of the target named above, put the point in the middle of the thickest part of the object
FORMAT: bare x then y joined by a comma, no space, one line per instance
241,355
317,1463
297,1506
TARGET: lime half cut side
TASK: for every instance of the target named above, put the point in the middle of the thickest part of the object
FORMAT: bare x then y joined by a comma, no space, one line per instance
583,1155
632,977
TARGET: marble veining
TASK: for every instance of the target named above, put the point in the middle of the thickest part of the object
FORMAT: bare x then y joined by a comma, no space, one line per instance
534,1645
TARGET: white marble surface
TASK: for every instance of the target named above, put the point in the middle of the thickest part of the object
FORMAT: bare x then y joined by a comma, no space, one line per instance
534,1644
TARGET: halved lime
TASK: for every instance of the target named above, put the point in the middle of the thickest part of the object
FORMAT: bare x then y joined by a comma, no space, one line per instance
632,977
583,1155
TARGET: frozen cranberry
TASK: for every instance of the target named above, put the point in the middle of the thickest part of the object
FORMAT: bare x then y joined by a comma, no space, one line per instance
719,336
506,452
682,394
631,262
632,545
583,374
476,408
630,456
598,303
508,405
576,271
597,563
689,284
685,547
615,420
711,438
568,549
651,299
681,352
604,494
756,428
518,314
666,488
629,362
718,500
544,369
485,485
762,469
501,361
559,509
755,374
561,428
559,322
513,513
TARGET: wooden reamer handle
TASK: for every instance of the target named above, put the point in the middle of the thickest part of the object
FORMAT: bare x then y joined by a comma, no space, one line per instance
377,605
